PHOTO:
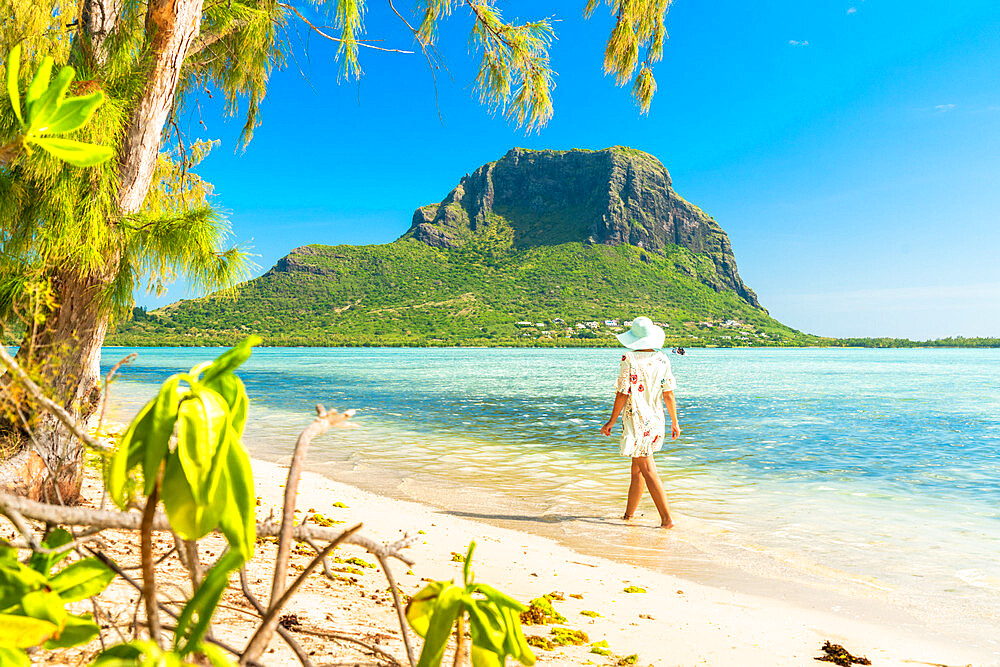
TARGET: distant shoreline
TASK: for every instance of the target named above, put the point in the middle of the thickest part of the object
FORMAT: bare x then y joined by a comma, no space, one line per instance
989,343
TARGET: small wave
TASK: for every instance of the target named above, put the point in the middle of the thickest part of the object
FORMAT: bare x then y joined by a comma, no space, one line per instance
979,579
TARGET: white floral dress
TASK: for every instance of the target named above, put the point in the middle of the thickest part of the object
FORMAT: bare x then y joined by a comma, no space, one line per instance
644,376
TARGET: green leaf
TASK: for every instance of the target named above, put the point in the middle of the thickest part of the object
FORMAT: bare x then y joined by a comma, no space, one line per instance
482,657
122,655
467,566
82,579
22,631
443,617
15,581
13,87
75,153
38,84
127,455
163,417
234,393
500,599
42,562
72,114
42,110
77,630
238,521
197,614
202,423
12,657
47,606
191,520
230,360
515,644
421,606
485,624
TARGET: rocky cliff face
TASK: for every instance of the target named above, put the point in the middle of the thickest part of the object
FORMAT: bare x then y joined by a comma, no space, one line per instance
613,196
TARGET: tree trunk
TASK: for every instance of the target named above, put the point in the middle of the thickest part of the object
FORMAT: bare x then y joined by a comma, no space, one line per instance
64,354
67,349
99,18
171,27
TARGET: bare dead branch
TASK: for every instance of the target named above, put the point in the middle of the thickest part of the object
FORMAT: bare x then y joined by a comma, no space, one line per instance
282,632
339,636
323,422
54,408
104,558
398,604
107,519
261,638
327,571
148,569
22,527
193,564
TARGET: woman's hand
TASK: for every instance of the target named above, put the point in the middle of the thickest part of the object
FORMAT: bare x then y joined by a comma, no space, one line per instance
606,429
675,431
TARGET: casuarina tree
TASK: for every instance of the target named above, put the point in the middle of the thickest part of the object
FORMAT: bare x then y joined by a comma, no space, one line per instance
78,241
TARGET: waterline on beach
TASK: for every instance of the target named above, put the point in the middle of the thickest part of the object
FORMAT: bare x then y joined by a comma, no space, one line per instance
866,474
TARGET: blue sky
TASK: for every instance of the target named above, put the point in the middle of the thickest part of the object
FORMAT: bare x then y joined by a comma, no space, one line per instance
849,148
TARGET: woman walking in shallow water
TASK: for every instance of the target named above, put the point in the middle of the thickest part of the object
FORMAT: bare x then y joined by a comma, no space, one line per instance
645,384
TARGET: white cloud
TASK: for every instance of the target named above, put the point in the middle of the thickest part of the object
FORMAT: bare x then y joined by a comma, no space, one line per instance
795,42
944,107
852,10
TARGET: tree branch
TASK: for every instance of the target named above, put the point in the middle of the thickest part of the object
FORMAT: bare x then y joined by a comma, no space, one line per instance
337,39
57,410
202,42
148,570
282,631
114,567
261,638
323,422
106,519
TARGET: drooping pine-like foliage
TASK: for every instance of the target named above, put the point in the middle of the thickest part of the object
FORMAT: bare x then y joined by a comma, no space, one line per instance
54,216
638,24
57,219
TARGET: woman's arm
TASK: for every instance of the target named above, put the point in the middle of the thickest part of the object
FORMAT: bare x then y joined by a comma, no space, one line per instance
616,410
671,403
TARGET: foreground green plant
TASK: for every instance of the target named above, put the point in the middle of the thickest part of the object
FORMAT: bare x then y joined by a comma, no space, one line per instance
33,599
205,479
48,113
493,621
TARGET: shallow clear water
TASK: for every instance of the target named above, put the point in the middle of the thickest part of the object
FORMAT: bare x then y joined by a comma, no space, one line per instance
861,474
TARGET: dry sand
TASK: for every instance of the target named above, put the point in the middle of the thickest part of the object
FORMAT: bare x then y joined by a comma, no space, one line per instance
673,622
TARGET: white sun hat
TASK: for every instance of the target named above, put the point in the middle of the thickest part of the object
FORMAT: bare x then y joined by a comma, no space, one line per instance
644,335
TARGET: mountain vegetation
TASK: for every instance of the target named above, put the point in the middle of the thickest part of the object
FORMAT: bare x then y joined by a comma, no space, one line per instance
537,248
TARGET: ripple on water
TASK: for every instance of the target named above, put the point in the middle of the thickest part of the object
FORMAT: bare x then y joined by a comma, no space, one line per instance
797,464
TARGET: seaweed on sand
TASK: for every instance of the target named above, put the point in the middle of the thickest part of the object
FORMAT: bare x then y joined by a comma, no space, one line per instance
541,612
839,655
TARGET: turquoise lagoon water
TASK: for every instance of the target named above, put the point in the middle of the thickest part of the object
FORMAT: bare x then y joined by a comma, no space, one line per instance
864,481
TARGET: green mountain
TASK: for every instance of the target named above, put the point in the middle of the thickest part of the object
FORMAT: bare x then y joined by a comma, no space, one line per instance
536,248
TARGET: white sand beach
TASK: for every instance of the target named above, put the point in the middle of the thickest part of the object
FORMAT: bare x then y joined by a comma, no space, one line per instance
671,622
674,622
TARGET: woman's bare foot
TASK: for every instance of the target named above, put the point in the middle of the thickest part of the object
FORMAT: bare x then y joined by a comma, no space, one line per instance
627,517
669,523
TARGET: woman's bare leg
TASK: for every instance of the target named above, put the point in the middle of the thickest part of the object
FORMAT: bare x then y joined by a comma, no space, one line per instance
635,489
647,468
